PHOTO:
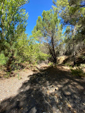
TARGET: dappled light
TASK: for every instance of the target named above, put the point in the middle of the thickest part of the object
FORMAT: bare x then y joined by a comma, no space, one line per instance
50,90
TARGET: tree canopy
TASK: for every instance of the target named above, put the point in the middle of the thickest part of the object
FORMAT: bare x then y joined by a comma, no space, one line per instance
48,31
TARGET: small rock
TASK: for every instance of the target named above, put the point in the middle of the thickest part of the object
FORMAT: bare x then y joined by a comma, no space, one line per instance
22,90
54,110
47,83
67,93
17,99
69,105
84,104
59,86
33,110
56,89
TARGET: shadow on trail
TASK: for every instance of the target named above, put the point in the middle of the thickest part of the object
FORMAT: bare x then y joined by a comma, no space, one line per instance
52,90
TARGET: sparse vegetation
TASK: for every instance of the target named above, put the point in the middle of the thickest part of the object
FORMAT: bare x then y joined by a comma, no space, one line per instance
78,72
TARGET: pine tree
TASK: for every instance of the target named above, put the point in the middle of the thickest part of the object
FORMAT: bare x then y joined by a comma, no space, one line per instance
46,30
73,14
12,15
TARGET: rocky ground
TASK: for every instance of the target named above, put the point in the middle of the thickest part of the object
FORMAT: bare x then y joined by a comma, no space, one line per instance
50,90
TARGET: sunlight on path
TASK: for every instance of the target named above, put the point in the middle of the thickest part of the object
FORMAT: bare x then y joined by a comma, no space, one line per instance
9,87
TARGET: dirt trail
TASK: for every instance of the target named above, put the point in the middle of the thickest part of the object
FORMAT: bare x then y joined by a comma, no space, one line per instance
9,87
50,90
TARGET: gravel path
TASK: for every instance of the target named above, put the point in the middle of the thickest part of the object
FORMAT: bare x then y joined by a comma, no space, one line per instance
51,90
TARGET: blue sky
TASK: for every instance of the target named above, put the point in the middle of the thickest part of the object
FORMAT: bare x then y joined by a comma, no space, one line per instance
35,9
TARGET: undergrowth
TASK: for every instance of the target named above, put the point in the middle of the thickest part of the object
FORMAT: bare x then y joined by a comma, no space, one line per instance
78,72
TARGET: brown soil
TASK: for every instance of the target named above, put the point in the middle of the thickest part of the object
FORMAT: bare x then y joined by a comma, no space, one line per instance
50,90
9,87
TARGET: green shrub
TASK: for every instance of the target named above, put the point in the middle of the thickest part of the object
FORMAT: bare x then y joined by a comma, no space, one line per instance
50,63
67,64
7,75
78,72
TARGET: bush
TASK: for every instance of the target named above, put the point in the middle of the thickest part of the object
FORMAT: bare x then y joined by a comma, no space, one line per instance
50,63
78,72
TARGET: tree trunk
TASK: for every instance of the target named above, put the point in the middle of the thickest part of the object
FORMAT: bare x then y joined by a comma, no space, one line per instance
11,59
74,54
9,63
53,51
74,32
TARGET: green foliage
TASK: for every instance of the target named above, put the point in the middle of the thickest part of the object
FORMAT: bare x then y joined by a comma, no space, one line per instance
82,57
72,13
29,49
68,64
50,64
48,30
19,76
12,23
7,75
78,72
3,59
82,65
42,56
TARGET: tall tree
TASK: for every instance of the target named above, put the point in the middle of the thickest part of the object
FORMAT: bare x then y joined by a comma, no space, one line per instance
12,15
46,30
72,13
